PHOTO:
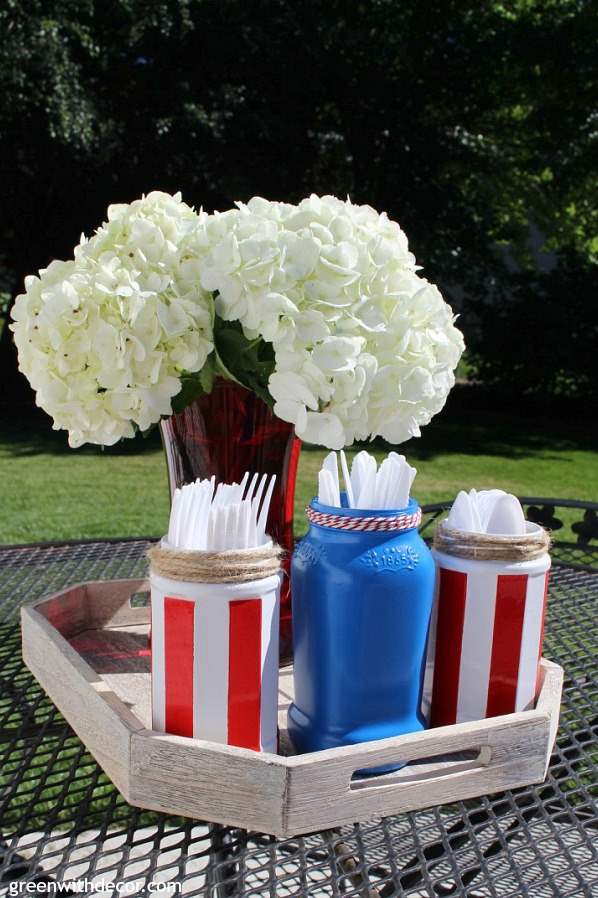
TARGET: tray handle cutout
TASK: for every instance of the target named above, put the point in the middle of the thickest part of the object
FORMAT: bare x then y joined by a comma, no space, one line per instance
424,769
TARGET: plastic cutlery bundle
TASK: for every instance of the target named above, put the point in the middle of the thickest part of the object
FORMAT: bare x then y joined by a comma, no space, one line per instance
487,511
229,516
367,485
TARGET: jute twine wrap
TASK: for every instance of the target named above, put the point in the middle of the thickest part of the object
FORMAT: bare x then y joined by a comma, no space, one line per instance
230,566
489,546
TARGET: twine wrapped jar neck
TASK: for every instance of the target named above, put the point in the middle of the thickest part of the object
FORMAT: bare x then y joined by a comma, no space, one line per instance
490,546
229,566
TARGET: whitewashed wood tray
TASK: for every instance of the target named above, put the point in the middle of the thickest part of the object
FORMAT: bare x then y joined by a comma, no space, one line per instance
88,648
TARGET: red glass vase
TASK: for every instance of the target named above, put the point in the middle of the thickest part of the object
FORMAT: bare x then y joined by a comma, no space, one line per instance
225,433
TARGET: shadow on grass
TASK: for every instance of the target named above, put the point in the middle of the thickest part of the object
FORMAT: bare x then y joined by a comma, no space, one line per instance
473,422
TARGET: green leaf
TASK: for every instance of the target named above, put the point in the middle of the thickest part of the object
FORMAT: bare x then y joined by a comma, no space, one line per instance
207,374
248,362
191,388
146,434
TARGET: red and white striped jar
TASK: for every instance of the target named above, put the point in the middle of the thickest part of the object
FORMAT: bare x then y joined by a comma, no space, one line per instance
486,637
215,660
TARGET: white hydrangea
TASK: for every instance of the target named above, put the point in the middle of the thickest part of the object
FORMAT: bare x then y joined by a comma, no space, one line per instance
364,346
104,338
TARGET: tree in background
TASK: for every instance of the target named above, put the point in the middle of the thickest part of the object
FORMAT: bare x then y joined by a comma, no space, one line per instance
466,121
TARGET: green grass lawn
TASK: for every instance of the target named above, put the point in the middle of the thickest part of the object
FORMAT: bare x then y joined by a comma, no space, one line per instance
50,492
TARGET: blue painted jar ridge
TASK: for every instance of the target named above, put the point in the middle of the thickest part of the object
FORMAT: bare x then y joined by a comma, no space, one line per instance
362,602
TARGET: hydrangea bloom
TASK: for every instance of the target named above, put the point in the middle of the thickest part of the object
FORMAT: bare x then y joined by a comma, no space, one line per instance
103,338
364,346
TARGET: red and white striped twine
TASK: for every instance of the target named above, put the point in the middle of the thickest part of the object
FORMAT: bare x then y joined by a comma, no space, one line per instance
345,522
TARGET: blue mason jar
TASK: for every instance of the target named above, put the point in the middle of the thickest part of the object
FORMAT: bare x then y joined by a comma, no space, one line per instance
363,588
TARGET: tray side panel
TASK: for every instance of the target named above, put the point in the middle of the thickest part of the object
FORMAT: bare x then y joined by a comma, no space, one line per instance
96,715
235,787
109,603
549,701
94,605
66,611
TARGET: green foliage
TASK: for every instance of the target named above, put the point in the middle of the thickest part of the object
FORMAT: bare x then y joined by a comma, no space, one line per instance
192,386
250,362
465,120
541,337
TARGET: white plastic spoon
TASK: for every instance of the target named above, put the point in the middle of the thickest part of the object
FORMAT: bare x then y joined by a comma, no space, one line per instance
507,517
485,501
460,516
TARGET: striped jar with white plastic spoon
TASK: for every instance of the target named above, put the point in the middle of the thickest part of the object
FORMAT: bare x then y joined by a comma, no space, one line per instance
487,628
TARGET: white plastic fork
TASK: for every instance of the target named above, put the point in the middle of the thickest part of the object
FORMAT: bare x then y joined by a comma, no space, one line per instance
210,529
263,518
252,528
185,517
196,491
231,516
255,502
251,487
174,512
232,526
242,485
244,524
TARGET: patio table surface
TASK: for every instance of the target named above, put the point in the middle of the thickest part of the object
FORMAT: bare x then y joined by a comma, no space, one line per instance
61,819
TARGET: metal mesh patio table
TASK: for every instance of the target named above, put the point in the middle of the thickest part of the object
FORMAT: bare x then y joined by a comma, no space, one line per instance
61,820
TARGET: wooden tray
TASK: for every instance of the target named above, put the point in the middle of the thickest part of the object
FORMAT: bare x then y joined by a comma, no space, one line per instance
87,646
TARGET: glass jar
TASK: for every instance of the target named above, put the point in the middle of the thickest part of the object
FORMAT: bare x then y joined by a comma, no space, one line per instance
363,588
